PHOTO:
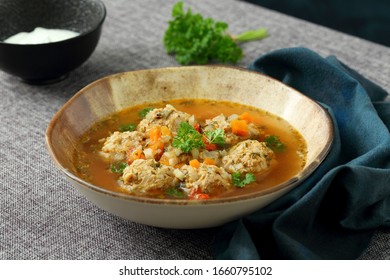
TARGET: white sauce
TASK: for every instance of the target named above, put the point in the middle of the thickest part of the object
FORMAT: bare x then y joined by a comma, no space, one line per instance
41,35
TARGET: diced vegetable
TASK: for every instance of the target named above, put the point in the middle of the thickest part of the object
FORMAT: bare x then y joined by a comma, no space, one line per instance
165,131
197,127
155,133
210,147
132,155
209,161
196,193
240,127
194,163
164,160
157,148
247,117
178,174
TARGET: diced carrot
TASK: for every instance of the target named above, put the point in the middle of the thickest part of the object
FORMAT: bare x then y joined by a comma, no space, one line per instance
138,154
133,154
156,145
179,165
194,163
239,127
165,131
157,148
164,160
247,117
209,161
155,133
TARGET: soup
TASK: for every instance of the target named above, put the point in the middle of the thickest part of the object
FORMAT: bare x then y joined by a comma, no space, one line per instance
190,149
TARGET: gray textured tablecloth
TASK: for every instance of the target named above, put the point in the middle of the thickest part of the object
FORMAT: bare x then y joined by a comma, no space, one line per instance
43,217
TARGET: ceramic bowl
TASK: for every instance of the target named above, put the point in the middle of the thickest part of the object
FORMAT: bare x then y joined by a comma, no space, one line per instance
114,93
48,62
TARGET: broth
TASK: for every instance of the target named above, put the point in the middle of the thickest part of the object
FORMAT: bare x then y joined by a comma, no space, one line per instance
92,168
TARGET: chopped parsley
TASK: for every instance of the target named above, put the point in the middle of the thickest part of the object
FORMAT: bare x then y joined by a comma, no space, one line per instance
216,136
187,138
175,192
118,167
240,181
127,127
273,142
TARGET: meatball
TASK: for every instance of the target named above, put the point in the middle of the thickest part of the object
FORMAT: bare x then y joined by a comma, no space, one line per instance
211,179
167,116
249,156
147,176
117,144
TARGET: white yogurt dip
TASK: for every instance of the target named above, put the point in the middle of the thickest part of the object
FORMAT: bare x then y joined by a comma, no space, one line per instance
41,35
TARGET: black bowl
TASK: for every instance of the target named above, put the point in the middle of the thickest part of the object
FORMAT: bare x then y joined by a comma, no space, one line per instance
49,62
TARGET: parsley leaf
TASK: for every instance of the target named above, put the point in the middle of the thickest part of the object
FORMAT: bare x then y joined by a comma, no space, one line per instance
240,181
215,136
187,138
127,127
197,40
273,142
144,112
118,167
175,192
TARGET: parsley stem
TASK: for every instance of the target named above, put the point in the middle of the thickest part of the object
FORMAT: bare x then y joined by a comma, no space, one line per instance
251,35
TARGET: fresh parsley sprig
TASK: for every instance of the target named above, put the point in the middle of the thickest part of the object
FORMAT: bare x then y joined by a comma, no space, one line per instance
187,138
273,142
240,181
194,39
144,112
127,127
118,167
216,136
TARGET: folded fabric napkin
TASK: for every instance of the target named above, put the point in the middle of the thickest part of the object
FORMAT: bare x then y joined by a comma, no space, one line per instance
334,213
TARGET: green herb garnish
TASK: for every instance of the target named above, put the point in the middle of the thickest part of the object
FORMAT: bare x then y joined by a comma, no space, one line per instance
215,136
127,127
197,40
240,180
175,192
273,142
187,138
118,167
144,112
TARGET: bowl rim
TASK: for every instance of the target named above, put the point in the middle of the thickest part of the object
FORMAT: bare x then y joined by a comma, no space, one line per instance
92,29
301,176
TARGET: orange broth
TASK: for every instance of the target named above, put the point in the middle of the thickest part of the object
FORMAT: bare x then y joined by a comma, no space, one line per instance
93,169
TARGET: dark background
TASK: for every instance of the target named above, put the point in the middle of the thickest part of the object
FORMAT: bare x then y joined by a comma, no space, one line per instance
367,19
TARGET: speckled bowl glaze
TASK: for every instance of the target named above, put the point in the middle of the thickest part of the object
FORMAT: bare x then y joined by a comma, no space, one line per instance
49,62
114,93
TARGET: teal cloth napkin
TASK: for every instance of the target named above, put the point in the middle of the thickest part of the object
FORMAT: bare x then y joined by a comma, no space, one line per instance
333,213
